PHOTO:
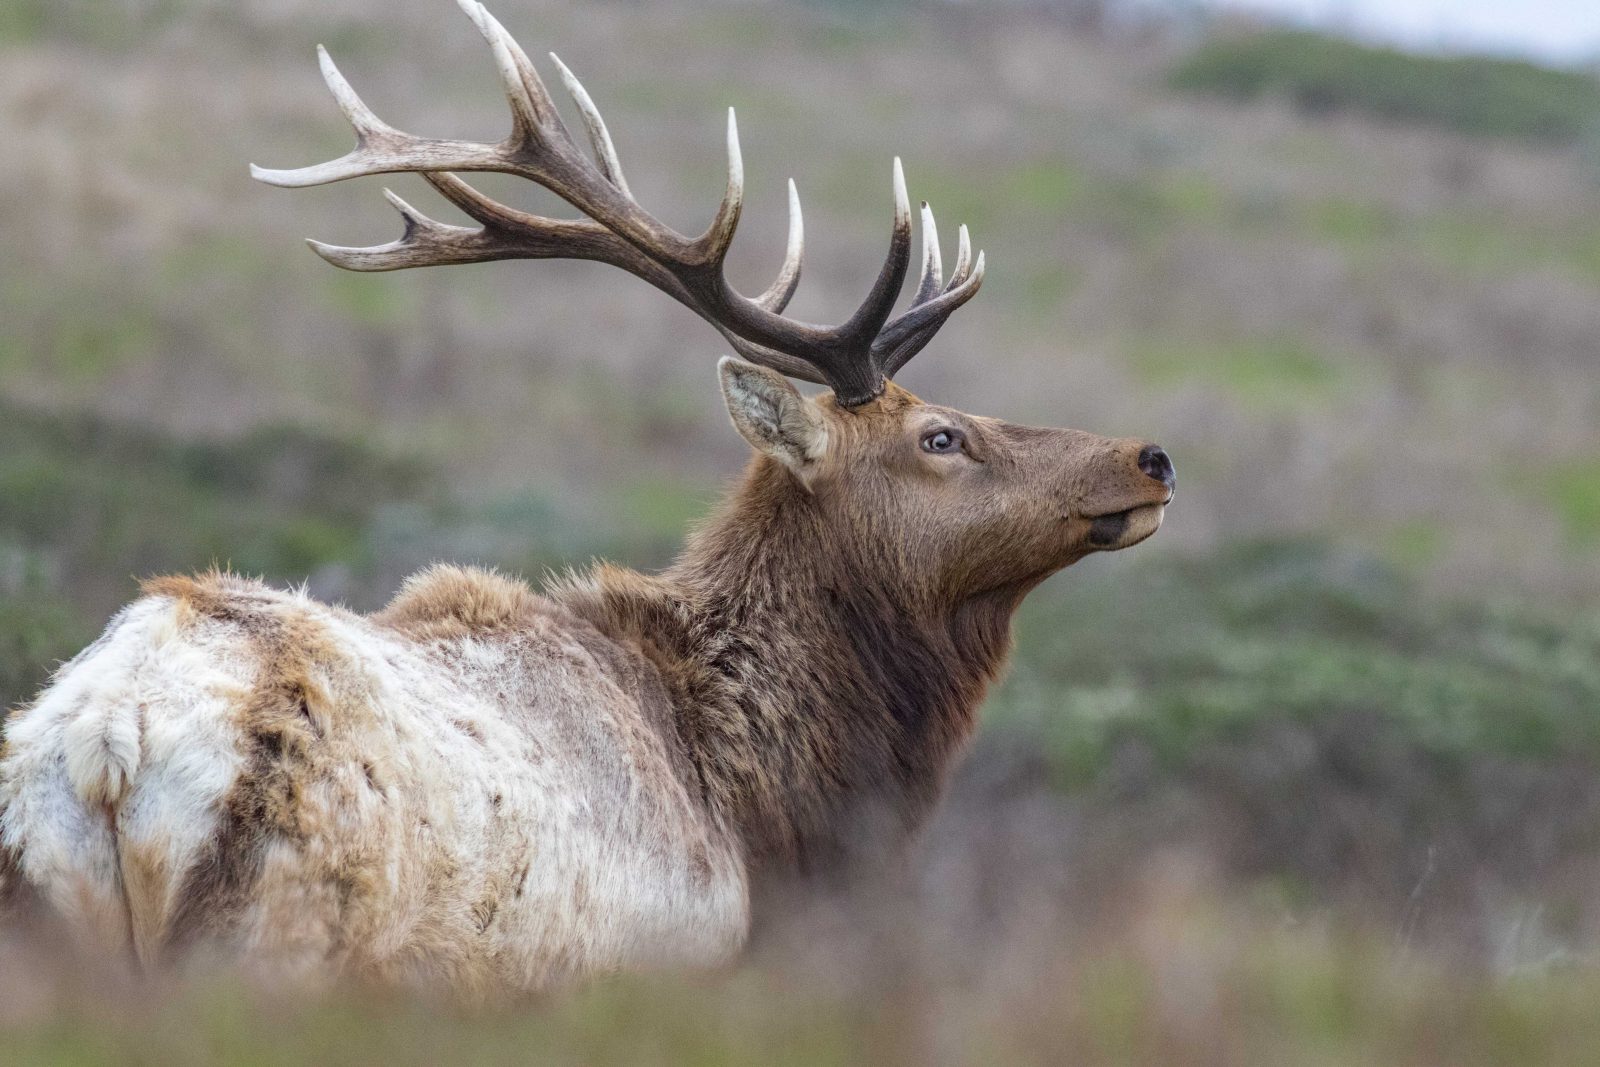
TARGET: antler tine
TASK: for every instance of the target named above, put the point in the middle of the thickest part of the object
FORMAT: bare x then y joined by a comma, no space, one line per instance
911,331
781,291
531,107
782,362
963,259
875,309
505,233
535,236
380,148
605,153
932,268
712,245
490,213
420,231
360,115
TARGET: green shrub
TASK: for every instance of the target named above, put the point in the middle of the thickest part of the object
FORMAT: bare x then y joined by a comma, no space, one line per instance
38,630
1176,655
1470,94
94,504
1574,489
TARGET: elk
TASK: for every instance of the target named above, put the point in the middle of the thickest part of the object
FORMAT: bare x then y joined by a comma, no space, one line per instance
495,788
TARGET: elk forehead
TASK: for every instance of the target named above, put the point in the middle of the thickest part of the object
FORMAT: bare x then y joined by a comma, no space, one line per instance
882,414
897,415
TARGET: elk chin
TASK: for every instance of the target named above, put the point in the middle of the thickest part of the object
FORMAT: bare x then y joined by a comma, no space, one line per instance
1124,529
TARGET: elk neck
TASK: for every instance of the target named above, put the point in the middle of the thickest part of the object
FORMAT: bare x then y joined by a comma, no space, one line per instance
821,698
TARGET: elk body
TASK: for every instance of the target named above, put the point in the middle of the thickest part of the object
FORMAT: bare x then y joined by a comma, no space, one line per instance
497,788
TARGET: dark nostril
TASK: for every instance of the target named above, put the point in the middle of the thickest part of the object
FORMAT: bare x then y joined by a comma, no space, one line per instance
1155,462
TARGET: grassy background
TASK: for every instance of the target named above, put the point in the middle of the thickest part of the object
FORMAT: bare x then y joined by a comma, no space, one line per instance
1471,94
1308,778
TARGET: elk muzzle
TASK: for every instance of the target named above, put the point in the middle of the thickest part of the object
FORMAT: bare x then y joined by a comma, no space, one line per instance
1152,490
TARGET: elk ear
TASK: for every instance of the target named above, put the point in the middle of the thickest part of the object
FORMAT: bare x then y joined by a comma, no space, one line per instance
772,415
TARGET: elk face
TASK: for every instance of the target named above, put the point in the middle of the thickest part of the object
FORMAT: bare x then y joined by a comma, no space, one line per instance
956,504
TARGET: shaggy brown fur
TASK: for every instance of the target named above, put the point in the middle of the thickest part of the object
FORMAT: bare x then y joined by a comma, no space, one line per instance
11,882
822,688
446,602
818,706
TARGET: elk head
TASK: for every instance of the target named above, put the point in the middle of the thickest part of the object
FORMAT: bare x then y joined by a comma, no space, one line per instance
945,502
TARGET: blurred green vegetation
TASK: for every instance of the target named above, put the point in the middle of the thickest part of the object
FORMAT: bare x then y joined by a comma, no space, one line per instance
1573,488
39,628
103,22
108,497
1469,94
1266,374
91,504
1212,989
1177,655
1413,544
23,20
1483,243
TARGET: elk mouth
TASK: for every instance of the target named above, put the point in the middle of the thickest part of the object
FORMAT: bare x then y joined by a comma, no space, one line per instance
1126,528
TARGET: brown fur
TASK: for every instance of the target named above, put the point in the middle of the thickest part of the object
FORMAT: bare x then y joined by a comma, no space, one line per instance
12,884
823,678
815,707
446,602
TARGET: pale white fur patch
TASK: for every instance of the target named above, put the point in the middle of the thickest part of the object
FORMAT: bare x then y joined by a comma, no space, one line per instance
102,747
511,817
66,846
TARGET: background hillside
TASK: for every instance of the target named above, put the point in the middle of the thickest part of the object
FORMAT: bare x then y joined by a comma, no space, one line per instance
1311,774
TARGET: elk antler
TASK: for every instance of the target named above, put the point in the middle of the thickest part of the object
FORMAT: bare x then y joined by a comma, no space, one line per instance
852,358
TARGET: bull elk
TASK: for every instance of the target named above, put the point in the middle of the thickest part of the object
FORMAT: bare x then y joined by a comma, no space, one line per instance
497,788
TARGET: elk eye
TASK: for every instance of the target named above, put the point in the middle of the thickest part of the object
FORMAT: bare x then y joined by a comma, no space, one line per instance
942,441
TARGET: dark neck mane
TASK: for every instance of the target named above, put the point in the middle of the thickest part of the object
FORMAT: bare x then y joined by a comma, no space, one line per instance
821,706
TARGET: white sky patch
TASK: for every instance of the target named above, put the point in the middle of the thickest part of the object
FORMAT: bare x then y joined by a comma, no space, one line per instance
1557,31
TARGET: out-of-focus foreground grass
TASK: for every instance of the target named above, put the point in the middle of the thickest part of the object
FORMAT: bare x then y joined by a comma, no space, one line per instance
1189,986
1311,777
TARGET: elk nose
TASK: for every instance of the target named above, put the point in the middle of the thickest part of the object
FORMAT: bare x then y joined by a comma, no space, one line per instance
1155,462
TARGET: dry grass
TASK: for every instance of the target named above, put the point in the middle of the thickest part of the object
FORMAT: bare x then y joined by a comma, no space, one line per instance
1172,972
